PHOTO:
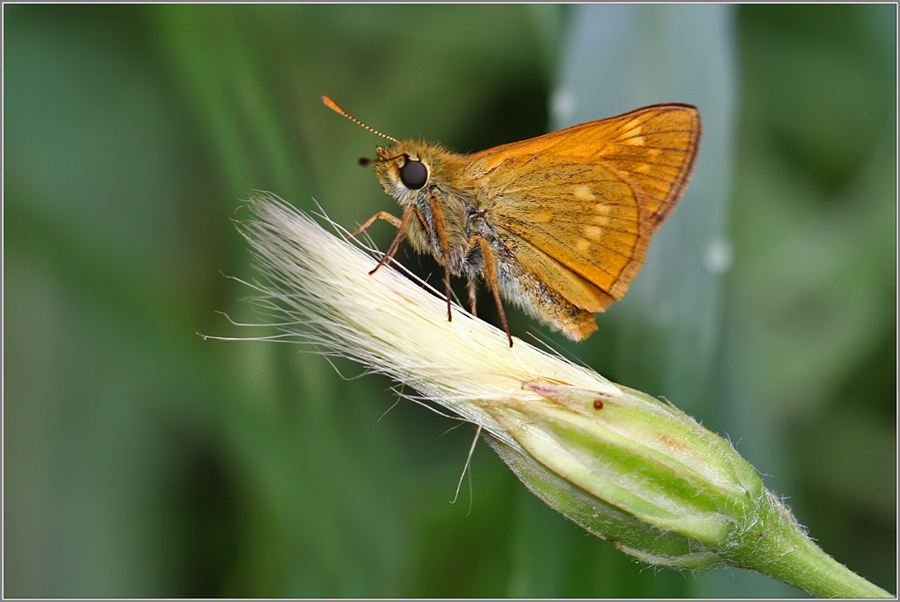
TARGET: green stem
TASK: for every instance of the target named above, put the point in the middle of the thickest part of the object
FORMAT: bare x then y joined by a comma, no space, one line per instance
783,551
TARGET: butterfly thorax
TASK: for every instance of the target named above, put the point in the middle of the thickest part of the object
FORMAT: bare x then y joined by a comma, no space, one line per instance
441,192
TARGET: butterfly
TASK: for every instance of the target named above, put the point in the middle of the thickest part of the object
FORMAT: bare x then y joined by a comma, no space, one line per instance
559,225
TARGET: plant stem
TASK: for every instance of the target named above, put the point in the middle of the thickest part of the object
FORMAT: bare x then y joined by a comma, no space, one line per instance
786,553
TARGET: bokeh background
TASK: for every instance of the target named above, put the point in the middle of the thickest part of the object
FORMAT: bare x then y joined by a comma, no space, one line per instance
143,460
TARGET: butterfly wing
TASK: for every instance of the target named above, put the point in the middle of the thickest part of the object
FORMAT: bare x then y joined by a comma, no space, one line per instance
589,197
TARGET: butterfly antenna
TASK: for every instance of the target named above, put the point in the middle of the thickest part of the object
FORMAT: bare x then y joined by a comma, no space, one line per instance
333,106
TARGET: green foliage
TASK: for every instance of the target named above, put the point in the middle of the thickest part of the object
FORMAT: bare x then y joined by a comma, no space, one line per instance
141,460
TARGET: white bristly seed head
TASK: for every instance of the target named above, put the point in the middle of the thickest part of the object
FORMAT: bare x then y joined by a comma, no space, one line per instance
319,288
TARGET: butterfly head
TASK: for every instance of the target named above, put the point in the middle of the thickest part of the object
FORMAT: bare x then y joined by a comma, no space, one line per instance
404,169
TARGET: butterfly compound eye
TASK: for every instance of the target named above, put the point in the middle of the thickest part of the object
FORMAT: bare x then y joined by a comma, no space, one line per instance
413,174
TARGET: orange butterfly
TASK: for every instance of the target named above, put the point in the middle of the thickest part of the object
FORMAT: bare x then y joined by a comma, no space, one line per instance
559,224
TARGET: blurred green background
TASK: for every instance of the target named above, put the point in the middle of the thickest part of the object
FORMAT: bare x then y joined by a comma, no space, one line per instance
142,460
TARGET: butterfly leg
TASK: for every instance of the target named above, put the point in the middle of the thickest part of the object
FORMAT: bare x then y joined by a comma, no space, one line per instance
380,215
398,238
437,216
471,286
491,272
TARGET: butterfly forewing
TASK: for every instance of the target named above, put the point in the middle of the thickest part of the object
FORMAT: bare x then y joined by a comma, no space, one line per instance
653,149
